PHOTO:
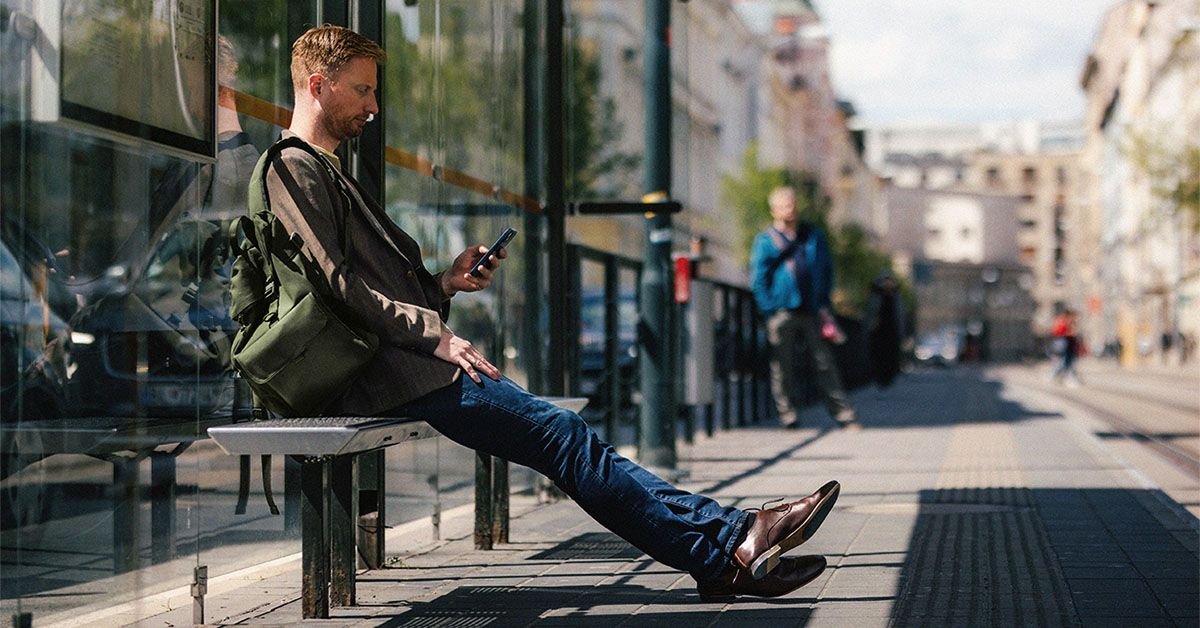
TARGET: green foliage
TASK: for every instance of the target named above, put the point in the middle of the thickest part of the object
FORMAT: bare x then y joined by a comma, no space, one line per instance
462,98
256,28
592,131
856,265
1173,172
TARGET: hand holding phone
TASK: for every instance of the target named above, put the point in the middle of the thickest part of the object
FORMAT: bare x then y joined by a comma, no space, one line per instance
500,243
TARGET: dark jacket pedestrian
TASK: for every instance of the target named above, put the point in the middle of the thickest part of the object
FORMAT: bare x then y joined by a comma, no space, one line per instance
885,322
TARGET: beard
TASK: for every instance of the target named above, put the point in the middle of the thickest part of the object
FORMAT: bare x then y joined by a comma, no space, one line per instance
345,128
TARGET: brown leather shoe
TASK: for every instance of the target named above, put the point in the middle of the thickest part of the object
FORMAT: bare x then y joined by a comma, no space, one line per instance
779,529
792,574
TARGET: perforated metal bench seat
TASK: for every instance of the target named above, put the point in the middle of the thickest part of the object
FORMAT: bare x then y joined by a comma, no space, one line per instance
332,436
317,436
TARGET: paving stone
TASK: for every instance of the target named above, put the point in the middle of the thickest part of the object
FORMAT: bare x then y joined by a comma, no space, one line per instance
959,508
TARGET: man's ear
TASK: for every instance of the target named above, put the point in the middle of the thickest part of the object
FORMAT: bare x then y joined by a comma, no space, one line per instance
315,84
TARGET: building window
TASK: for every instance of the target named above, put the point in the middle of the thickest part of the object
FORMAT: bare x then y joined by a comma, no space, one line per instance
993,177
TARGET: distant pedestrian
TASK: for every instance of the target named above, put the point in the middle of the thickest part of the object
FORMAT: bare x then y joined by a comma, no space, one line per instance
792,274
1066,346
885,323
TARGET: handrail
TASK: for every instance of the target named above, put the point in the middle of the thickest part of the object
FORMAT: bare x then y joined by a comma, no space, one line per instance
601,256
267,111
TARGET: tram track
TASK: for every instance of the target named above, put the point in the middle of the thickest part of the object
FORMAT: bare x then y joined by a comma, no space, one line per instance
1134,393
1186,461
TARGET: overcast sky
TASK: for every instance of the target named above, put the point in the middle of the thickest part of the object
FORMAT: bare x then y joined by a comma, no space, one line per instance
961,61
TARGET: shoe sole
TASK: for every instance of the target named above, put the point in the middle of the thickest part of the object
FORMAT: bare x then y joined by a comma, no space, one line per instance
730,597
769,559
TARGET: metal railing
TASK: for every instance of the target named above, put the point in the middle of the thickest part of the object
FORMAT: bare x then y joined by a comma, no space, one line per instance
603,367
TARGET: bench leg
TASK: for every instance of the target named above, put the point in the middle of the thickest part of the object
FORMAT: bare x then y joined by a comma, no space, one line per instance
291,496
500,500
125,514
243,498
342,527
371,466
315,541
483,501
162,508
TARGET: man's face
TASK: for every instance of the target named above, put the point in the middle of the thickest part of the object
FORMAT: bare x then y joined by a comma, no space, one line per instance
348,98
783,207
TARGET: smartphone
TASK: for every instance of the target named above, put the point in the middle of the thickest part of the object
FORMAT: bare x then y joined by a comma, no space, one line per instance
504,239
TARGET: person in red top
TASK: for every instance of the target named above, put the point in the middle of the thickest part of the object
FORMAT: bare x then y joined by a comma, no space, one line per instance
1066,345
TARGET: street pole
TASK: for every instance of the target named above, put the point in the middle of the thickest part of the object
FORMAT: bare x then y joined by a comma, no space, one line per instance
656,444
555,182
533,347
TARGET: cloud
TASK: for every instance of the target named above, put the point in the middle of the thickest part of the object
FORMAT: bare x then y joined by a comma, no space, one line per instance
960,61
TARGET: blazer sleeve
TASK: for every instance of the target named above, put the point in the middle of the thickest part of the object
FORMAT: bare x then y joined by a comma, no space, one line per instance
305,201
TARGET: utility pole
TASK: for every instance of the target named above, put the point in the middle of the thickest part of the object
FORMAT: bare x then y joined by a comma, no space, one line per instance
656,445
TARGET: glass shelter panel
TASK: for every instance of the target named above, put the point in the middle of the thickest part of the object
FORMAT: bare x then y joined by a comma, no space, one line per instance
115,267
452,102
116,329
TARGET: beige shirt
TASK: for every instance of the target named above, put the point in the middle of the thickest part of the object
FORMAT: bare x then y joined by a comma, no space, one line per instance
383,282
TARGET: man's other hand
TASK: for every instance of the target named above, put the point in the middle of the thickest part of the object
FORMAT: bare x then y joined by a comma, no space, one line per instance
462,353
459,278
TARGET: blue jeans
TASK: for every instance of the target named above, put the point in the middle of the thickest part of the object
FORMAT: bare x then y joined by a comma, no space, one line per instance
689,532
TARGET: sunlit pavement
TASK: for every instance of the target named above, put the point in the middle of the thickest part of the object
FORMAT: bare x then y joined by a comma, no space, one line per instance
974,497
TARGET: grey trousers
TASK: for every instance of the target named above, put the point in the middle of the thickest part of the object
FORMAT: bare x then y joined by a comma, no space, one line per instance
795,338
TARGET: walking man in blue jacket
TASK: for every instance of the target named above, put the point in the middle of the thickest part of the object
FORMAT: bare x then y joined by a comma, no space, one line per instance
792,274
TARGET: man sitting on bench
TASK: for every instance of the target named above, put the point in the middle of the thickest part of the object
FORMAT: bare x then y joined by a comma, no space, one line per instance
418,369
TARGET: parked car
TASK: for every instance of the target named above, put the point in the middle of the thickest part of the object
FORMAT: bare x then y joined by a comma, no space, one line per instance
943,347
594,383
160,346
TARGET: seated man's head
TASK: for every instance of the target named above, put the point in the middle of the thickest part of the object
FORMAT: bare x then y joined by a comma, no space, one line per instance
334,76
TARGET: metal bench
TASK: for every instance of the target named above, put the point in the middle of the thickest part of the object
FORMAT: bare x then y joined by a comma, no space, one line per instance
327,448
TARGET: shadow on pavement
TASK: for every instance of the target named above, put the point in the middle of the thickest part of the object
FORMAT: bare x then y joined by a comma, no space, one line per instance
931,398
607,605
1018,556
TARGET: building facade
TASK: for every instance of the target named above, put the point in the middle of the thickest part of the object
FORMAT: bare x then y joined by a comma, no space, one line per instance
1033,167
1047,186
1138,271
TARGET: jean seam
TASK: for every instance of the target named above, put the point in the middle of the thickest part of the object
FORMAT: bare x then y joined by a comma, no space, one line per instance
731,545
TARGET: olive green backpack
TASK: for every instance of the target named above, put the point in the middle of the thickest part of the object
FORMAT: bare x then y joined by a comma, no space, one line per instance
298,347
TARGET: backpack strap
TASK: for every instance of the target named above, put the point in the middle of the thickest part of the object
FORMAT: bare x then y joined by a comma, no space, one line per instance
311,271
785,254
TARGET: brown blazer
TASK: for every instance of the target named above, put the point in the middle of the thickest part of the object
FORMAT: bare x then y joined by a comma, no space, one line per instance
387,286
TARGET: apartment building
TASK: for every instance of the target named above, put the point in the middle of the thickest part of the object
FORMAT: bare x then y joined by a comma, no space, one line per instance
1138,269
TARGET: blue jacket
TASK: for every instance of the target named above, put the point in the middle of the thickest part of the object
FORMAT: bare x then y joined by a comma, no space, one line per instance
783,294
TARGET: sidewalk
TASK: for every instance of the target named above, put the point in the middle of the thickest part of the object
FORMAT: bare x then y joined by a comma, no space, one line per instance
965,502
